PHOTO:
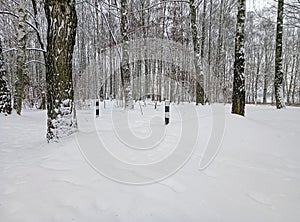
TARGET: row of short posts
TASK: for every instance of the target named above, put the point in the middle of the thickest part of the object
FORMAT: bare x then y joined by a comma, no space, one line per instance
167,111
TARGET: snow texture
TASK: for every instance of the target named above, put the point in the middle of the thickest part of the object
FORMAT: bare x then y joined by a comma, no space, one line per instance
255,176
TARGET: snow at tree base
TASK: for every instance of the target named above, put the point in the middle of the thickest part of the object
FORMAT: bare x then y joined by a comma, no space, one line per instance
254,177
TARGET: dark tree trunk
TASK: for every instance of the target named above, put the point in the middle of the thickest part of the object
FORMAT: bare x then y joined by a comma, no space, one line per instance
278,81
62,23
5,96
238,95
265,89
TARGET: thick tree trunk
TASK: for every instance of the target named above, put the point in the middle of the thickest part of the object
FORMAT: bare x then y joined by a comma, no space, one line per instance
278,81
238,95
62,23
196,44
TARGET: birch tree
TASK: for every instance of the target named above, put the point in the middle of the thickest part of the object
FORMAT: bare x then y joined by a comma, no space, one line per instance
196,44
125,66
21,56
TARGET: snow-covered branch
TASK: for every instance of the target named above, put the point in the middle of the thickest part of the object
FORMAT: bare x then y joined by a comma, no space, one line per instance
16,16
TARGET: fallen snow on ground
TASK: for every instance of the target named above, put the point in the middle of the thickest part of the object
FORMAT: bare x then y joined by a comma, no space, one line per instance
254,177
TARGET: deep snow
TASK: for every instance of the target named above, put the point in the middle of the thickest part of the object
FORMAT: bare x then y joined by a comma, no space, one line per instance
254,177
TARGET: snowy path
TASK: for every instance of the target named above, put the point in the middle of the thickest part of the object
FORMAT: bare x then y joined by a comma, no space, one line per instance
255,177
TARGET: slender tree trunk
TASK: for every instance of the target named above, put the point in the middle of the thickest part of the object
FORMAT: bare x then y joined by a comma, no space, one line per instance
125,67
266,70
291,81
21,55
62,23
209,83
297,70
203,38
218,58
196,44
278,81
38,35
238,95
110,54
257,76
203,34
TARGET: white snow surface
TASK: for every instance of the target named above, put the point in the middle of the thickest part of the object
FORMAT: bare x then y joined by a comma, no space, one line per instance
254,177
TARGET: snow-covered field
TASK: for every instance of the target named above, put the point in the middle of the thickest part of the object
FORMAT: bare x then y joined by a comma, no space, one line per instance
254,177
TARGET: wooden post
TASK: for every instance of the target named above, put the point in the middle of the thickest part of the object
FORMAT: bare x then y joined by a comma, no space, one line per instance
97,108
167,112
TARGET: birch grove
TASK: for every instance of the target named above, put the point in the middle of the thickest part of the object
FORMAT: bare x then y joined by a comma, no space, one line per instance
106,64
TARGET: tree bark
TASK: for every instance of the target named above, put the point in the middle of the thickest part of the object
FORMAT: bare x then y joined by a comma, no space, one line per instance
278,81
5,96
125,66
238,95
21,56
62,23
196,44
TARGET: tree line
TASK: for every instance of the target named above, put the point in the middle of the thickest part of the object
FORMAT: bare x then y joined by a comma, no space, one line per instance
60,52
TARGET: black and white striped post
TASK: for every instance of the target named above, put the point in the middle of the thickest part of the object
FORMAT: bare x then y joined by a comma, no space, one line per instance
97,108
167,112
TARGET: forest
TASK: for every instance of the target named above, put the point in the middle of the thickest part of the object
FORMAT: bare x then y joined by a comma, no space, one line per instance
184,51
149,110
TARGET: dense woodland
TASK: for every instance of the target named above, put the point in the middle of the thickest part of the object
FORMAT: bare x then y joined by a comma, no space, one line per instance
226,53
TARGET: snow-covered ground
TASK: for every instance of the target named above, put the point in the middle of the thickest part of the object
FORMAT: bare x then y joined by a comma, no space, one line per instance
254,177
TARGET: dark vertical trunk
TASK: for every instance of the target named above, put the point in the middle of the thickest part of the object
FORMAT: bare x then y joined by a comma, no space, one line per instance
203,34
238,95
265,90
110,54
257,76
278,81
62,23
5,96
38,35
